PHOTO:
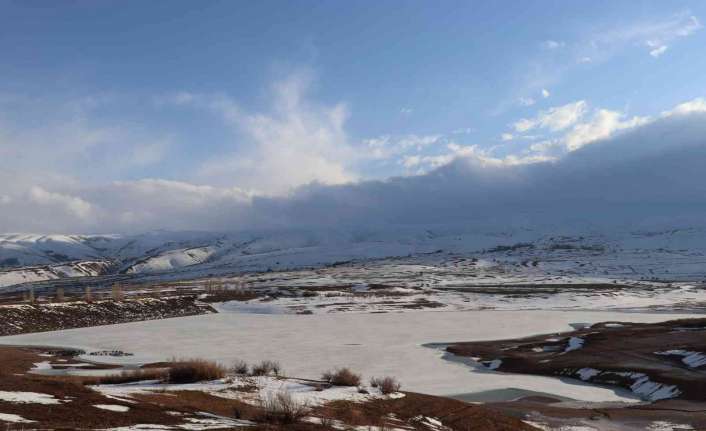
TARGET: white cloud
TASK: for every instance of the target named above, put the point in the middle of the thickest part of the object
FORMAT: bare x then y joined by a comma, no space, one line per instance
65,136
603,124
577,130
50,200
599,182
656,35
695,105
295,143
149,153
545,93
620,181
553,44
453,151
554,119
406,111
526,101
658,51
411,161
506,136
387,146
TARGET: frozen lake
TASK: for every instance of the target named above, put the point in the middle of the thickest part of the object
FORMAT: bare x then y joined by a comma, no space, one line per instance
374,344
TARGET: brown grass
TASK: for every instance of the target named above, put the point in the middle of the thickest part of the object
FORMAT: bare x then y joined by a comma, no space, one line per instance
282,412
281,408
130,376
341,377
177,371
194,370
456,415
266,368
387,385
240,367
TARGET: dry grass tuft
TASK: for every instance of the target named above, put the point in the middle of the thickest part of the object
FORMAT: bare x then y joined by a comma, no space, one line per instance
281,408
341,377
266,368
132,376
175,371
194,370
240,367
387,385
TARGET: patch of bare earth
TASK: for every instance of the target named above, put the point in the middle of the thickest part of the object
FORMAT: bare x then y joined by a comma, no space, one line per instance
680,414
655,361
74,405
417,411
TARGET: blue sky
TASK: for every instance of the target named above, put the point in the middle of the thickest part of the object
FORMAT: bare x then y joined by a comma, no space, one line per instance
259,98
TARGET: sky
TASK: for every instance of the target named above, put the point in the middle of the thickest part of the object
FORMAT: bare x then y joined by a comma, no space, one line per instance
127,116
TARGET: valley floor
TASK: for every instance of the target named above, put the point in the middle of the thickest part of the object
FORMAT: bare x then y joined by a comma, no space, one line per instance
393,317
374,344
31,401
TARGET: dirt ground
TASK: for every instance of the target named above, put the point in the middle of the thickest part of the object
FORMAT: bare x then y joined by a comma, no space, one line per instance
26,318
76,409
611,348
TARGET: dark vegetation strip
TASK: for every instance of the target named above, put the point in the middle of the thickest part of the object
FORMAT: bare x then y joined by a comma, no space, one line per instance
29,318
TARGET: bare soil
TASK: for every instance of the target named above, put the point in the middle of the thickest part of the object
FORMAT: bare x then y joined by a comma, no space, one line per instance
26,318
683,414
77,407
613,348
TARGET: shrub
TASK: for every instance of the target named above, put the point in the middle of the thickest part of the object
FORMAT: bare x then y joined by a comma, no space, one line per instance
341,377
326,422
240,367
387,385
130,376
266,368
282,408
194,370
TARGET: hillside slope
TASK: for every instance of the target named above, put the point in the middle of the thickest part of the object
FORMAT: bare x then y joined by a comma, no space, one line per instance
666,254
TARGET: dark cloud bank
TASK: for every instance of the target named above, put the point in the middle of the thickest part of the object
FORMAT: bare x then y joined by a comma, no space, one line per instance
651,176
655,174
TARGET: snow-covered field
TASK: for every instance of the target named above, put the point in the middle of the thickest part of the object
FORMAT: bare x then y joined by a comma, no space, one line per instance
374,344
674,254
456,283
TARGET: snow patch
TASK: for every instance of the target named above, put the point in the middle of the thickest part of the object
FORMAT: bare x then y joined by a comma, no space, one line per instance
17,419
691,359
112,407
668,426
494,364
431,423
653,391
586,374
28,398
575,343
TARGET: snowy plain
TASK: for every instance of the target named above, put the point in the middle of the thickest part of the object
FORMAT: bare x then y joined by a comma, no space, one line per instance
375,344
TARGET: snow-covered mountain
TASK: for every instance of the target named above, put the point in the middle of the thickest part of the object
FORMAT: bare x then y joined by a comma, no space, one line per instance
666,253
